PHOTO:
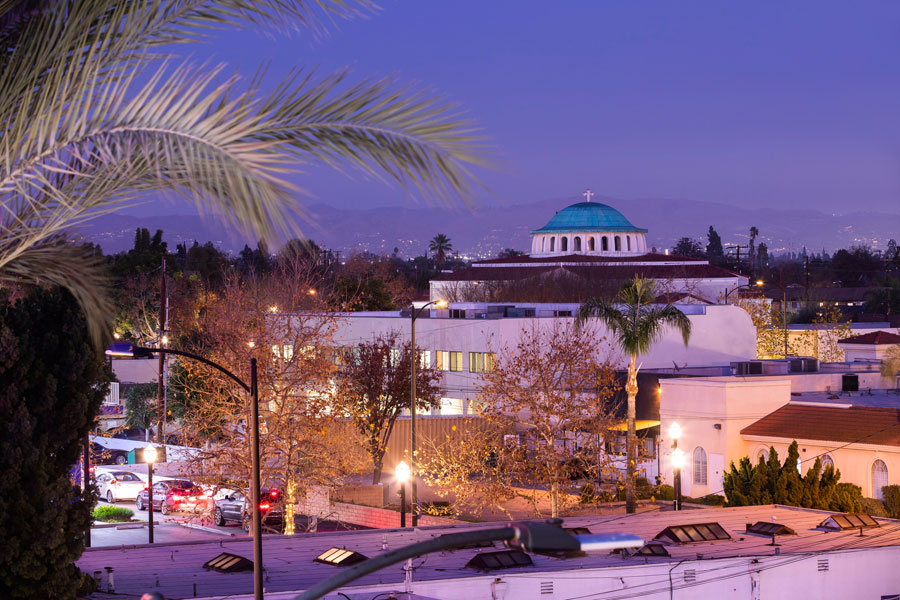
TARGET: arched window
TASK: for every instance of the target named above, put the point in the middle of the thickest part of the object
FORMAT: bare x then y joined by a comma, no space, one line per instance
827,461
605,244
564,244
628,241
762,454
699,466
577,244
552,244
879,478
591,245
543,243
618,243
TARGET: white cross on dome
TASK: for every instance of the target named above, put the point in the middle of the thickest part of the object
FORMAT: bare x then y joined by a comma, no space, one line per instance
587,194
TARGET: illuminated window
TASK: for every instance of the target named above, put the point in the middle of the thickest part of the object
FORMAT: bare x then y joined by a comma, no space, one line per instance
879,478
699,466
449,361
827,461
481,362
424,359
591,244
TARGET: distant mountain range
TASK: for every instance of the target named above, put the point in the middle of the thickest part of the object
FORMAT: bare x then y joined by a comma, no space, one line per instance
484,231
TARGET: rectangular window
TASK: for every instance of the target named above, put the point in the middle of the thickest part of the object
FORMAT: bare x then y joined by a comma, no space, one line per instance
395,357
481,362
424,359
449,361
457,313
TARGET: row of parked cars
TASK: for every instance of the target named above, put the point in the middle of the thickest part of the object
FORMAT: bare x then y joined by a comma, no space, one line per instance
182,495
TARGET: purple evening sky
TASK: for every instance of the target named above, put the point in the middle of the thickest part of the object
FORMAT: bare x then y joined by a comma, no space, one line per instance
754,103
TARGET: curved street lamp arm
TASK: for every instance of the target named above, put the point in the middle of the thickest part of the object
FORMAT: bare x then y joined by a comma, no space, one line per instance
444,542
205,361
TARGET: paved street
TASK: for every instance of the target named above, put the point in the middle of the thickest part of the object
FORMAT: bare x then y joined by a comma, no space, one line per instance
179,527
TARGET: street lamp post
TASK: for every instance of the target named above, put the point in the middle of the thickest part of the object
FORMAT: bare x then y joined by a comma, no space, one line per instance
757,283
677,462
402,475
150,458
413,313
127,350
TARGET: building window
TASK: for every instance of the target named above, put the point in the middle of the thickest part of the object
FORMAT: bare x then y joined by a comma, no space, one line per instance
762,455
879,478
457,313
699,466
577,244
618,243
604,244
543,243
564,244
827,461
591,244
628,241
481,362
552,243
448,361
424,359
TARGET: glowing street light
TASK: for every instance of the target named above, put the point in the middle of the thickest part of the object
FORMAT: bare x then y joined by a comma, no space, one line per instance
150,458
413,313
675,432
677,465
401,472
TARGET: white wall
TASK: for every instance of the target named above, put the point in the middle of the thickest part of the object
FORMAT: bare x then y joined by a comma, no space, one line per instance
721,334
136,370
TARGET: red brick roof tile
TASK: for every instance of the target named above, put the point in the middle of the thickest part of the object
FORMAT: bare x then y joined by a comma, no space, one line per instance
857,424
876,337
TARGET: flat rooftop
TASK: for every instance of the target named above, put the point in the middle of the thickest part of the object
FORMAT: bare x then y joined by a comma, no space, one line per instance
290,566
889,398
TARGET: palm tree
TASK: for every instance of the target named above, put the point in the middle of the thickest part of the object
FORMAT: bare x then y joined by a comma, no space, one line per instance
91,120
441,246
636,323
752,249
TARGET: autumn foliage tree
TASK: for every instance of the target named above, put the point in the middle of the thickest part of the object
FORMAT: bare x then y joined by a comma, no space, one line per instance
373,389
547,407
288,330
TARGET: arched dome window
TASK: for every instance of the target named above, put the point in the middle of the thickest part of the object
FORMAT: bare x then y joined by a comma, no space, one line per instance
700,466
577,244
827,461
879,478
628,242
552,244
591,244
618,243
605,244
564,244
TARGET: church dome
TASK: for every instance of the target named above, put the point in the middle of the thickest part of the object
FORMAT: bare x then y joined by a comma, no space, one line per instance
589,217
589,228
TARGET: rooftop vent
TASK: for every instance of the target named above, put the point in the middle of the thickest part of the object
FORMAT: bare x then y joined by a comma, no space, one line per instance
229,563
651,549
578,530
766,528
698,532
504,559
848,521
340,557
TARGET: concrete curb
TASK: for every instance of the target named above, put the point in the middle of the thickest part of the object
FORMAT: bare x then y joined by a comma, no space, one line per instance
206,529
103,525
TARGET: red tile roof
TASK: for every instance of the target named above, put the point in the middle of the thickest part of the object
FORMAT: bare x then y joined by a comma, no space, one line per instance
676,297
569,258
595,271
876,337
857,424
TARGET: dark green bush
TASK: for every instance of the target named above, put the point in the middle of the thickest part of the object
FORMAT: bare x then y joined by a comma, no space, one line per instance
846,498
708,500
112,514
665,492
891,495
873,506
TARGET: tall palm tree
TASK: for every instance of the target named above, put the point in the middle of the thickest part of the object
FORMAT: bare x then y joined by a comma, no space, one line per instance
440,245
95,115
636,323
752,249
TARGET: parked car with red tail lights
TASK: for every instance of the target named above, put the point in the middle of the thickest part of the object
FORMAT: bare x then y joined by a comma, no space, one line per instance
235,508
174,495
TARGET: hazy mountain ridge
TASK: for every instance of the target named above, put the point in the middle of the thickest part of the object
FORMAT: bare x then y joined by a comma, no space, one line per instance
484,231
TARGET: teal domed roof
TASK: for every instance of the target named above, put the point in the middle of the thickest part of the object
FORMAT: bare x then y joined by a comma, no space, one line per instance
589,216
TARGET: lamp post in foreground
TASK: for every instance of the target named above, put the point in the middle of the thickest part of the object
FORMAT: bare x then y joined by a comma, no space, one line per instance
530,536
402,475
127,350
150,458
414,355
677,462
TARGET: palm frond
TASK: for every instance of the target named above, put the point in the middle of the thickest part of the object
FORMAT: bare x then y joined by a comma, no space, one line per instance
59,263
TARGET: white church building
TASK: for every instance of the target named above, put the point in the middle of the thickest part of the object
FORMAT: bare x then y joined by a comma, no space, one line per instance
586,248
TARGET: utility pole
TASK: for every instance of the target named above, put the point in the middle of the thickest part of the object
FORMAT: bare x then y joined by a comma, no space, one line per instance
737,247
807,280
161,373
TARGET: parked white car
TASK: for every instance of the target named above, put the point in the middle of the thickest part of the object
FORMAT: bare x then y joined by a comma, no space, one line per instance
119,485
